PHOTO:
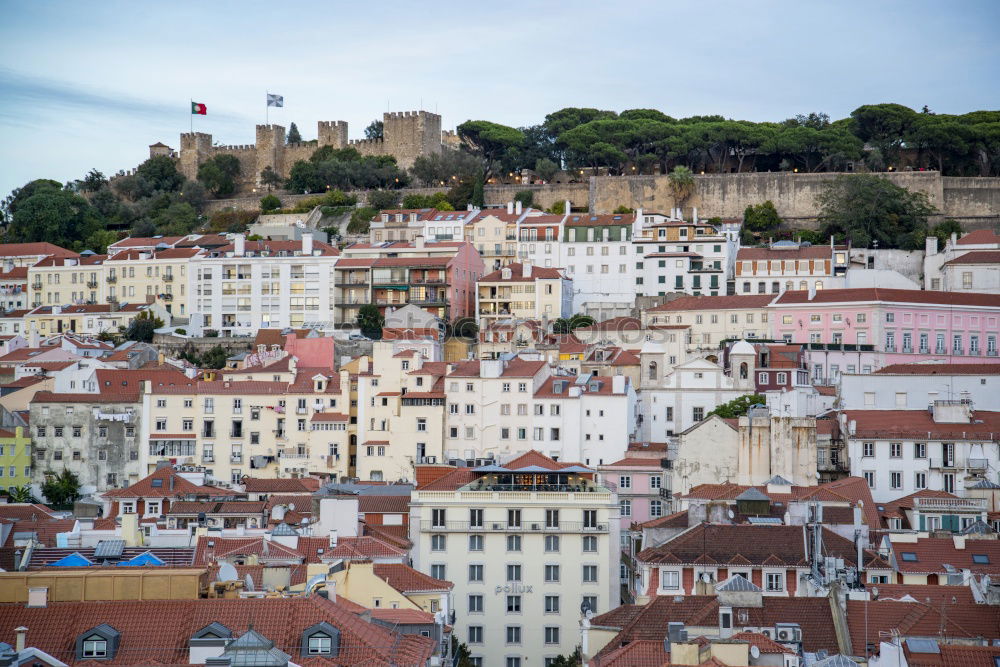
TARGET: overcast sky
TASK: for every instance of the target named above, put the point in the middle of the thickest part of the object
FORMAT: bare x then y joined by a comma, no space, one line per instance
92,84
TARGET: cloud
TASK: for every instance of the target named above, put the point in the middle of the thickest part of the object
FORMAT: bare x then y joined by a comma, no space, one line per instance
29,99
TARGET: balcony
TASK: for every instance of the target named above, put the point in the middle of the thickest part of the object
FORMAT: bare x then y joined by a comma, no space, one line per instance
991,353
208,459
942,464
36,286
907,349
279,434
168,277
949,504
977,464
665,493
92,284
925,350
236,458
957,351
111,279
940,350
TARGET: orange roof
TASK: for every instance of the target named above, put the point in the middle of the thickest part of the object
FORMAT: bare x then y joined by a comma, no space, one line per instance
980,237
801,252
517,274
715,302
407,580
29,249
939,369
165,483
866,294
880,424
765,644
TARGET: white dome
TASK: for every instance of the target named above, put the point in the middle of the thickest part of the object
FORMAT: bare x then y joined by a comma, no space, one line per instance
743,347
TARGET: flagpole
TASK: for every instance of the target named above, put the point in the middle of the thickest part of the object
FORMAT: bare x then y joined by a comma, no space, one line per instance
267,109
191,113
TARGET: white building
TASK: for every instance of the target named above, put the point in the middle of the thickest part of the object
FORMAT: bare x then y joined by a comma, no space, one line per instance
524,561
250,285
917,386
946,447
967,264
499,407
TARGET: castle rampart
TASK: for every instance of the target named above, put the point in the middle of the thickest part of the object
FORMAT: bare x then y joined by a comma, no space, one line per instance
406,135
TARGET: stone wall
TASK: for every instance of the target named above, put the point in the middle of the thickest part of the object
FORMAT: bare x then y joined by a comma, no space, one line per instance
974,201
252,203
545,195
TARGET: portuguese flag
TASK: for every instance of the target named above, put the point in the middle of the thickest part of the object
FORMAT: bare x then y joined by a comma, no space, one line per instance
199,108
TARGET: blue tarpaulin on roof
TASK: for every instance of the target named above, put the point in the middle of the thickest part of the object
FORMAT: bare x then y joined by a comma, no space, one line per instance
145,558
75,559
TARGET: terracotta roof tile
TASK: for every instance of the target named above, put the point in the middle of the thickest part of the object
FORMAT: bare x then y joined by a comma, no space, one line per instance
879,424
165,483
980,237
740,301
939,369
866,294
407,580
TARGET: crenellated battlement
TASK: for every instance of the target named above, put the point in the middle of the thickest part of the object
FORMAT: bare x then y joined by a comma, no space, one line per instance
234,148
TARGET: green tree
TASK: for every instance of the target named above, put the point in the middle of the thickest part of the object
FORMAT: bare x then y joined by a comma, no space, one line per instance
382,199
574,659
558,208
944,229
270,178
293,136
866,208
142,327
93,181
374,130
61,489
681,181
21,494
219,174
621,210
100,240
884,126
214,358
269,203
762,217
159,173
489,140
565,325
447,167
526,197
460,654
739,406
360,220
51,214
546,169
478,195
370,321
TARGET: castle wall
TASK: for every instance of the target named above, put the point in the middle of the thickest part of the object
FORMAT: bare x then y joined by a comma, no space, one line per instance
545,196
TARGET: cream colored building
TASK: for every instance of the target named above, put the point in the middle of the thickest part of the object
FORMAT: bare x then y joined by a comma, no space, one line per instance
523,560
62,281
523,292
712,319
142,275
88,319
494,233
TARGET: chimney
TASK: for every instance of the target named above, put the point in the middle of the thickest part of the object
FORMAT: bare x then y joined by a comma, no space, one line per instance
812,290
34,340
239,245
526,269
930,245
953,241
517,207
510,207
333,537
418,243
468,207
569,208
38,597
307,244
331,591
22,638
694,214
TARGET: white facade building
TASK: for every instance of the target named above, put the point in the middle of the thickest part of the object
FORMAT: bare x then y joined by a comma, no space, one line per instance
917,386
967,264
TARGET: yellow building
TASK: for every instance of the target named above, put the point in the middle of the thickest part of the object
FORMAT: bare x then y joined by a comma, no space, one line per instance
62,281
15,458
87,319
143,275
708,320
494,233
523,292
391,586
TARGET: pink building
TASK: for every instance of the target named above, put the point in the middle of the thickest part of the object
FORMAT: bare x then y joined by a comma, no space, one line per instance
900,326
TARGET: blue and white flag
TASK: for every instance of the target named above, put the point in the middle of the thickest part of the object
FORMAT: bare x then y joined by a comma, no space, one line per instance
275,100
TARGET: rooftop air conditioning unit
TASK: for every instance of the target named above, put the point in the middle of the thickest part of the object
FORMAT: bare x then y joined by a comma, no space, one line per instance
536,526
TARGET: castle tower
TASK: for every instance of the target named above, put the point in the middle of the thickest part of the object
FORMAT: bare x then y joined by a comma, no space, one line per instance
270,151
332,133
195,148
410,134
742,363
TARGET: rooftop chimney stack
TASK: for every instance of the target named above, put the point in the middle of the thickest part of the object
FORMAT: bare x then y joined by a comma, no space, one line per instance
510,207
239,245
307,244
22,638
517,207
569,208
526,269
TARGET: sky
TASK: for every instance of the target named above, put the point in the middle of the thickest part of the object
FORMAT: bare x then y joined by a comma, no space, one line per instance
91,84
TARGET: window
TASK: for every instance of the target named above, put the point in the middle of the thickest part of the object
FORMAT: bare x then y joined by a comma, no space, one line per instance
590,574
626,507
590,602
920,481
475,604
513,661
551,634
870,478
551,518
320,644
95,646
513,636
438,542
475,542
514,572
513,543
475,635
896,480
981,559
908,557
551,543
513,604
655,481
437,518
868,449
475,573
438,570
590,543
551,573
670,580
514,518
697,414
895,450
775,581
475,518
625,481
655,508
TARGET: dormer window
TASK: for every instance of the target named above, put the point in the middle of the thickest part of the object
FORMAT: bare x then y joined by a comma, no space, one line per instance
100,643
95,646
321,639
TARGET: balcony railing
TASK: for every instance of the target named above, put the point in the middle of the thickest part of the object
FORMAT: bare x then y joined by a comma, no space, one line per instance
503,526
111,280
977,464
940,464
944,504
92,284
168,277
236,458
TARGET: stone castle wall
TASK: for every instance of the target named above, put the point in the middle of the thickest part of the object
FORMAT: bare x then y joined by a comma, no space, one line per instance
406,136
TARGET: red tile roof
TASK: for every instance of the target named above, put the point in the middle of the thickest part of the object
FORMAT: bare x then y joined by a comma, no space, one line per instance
976,257
108,397
739,301
765,644
755,545
25,512
30,249
932,553
325,250
158,632
939,369
289,485
365,547
866,294
979,237
880,424
867,620
639,653
150,241
170,485
954,655
675,520
517,274
634,462
406,580
802,252
372,504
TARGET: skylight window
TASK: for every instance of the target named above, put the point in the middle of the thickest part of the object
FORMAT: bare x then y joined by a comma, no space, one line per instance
157,482
909,557
981,559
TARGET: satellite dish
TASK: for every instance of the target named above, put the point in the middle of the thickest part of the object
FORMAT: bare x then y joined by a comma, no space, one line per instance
248,582
732,515
227,573
291,507
706,577
754,652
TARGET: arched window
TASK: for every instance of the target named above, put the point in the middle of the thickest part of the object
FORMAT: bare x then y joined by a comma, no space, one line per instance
744,371
652,370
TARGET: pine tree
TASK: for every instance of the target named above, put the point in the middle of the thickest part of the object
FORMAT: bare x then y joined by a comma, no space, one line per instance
293,134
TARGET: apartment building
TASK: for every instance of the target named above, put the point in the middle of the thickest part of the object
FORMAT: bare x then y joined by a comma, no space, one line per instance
494,233
967,264
501,407
64,281
406,224
527,544
258,428
917,386
15,457
142,274
903,325
14,289
88,319
244,286
597,255
711,319
787,265
674,255
946,447
28,254
522,291
539,240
